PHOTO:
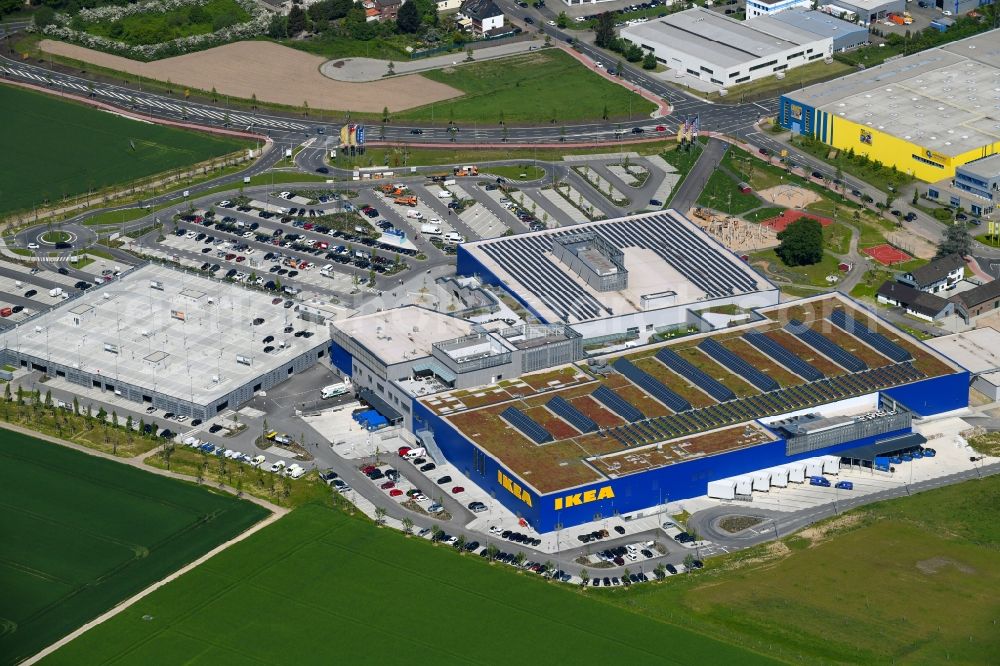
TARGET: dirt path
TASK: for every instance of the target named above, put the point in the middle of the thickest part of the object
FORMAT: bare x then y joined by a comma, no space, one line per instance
277,512
274,73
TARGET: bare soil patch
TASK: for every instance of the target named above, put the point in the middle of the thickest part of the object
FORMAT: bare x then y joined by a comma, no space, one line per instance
274,73
790,196
934,564
734,232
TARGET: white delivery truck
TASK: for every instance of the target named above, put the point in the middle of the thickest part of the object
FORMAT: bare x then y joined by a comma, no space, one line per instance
430,229
55,292
333,390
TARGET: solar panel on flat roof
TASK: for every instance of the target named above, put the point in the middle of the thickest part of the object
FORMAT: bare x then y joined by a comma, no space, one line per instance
575,417
825,346
782,356
617,404
684,368
526,425
651,385
737,364
881,343
673,239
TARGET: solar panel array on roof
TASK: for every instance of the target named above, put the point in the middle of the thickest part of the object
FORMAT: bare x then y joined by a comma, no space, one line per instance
881,343
617,404
651,385
738,365
526,425
574,416
674,241
783,356
673,360
825,346
791,398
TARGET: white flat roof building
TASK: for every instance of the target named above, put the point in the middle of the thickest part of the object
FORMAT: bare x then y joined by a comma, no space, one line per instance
635,274
402,334
978,351
181,342
757,8
725,52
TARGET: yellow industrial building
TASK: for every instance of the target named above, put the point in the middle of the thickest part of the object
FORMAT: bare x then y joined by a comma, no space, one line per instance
925,114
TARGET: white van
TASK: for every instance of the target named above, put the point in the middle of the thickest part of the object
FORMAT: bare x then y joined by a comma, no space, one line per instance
430,229
444,194
414,214
258,461
454,237
415,453
333,390
294,471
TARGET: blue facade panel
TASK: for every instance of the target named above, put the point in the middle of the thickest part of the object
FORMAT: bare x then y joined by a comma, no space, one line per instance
462,453
935,395
341,359
797,117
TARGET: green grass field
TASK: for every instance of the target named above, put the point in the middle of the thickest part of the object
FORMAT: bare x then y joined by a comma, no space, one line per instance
909,581
721,193
536,87
82,533
320,587
57,149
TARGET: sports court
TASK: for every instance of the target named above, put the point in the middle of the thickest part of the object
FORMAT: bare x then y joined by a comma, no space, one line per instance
886,254
781,222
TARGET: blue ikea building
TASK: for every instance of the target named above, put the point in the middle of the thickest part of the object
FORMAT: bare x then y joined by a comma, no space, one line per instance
642,490
904,394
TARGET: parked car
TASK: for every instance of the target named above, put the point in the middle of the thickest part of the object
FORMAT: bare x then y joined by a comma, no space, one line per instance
428,467
444,479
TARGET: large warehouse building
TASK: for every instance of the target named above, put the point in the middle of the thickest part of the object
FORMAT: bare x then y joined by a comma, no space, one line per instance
723,51
925,114
179,342
813,378
845,35
629,277
561,442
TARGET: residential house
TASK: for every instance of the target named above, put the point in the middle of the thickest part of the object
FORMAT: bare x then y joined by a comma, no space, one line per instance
921,304
388,9
484,15
977,301
448,5
937,276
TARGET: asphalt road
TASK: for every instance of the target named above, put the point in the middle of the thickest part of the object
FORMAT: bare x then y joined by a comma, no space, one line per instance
685,196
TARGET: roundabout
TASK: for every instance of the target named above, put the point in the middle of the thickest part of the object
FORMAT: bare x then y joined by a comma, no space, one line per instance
56,237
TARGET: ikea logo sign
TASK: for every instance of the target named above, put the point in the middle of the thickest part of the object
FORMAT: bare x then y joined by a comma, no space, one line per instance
513,488
607,492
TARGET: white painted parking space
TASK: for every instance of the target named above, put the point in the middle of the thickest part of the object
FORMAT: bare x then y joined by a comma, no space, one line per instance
566,207
482,222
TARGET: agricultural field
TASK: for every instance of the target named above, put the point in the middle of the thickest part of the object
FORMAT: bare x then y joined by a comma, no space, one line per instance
57,149
910,580
368,595
539,87
83,533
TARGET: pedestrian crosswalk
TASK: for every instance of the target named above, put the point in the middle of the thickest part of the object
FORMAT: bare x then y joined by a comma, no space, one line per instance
153,103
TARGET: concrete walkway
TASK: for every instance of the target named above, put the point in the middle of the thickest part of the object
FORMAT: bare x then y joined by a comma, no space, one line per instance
359,70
